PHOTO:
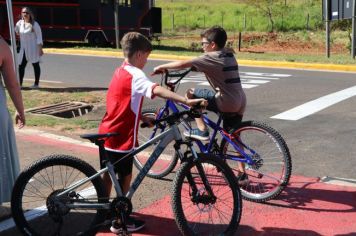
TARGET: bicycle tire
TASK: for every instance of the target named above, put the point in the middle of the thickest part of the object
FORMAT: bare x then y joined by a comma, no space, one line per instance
221,178
269,180
65,171
165,163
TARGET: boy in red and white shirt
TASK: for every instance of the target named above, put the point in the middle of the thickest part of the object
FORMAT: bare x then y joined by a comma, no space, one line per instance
127,89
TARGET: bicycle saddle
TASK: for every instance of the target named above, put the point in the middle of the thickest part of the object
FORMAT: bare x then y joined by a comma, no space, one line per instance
94,137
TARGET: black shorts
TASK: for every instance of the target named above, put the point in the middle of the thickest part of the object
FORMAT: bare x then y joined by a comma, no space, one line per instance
230,120
122,168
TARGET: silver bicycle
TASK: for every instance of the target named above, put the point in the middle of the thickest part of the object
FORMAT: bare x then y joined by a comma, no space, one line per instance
63,195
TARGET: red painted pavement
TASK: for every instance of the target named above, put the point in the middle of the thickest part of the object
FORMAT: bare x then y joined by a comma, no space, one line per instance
57,143
306,207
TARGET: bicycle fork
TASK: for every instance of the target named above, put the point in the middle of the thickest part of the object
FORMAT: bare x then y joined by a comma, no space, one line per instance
198,196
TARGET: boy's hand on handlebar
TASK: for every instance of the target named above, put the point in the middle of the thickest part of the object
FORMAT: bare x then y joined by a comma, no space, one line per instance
158,70
197,101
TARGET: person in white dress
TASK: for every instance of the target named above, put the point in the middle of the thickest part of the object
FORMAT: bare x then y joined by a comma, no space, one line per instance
9,161
30,44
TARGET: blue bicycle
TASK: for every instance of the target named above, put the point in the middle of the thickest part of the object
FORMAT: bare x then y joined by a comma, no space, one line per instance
254,146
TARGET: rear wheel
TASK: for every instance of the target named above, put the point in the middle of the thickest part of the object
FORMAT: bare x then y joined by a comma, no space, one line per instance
196,210
38,211
167,160
271,173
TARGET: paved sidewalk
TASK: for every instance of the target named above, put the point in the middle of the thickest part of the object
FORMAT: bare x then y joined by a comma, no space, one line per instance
307,207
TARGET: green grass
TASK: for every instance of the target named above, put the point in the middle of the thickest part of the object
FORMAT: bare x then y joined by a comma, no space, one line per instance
182,15
37,98
183,45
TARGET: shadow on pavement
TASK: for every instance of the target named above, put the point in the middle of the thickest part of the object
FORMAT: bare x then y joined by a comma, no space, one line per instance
158,226
304,195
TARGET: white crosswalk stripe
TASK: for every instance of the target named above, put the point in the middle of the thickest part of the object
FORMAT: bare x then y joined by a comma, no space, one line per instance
248,79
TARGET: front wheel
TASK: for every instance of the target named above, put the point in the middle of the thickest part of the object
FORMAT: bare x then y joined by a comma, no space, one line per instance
273,166
206,199
38,211
167,160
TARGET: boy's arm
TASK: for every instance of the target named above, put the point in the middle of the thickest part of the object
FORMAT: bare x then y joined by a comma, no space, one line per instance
172,65
166,94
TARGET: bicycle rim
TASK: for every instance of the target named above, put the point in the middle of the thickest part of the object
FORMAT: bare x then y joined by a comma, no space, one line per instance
266,181
35,212
196,216
167,160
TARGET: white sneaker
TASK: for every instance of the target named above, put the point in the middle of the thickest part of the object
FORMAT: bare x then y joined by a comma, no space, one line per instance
132,225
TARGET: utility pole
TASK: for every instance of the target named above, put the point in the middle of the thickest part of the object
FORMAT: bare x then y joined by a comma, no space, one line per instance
116,18
353,45
12,36
327,26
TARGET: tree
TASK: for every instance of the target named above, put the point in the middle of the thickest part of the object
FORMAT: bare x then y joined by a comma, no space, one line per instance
269,8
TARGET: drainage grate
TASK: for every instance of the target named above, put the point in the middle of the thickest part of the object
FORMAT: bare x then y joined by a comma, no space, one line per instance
64,110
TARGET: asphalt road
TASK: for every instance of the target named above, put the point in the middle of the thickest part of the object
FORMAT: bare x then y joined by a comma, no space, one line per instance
320,134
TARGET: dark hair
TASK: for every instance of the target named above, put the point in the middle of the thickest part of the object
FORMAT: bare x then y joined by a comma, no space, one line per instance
133,42
215,34
30,13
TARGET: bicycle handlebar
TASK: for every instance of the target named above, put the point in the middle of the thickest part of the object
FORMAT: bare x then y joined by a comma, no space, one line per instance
194,112
175,74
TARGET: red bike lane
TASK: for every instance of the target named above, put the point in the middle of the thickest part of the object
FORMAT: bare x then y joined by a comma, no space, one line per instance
306,207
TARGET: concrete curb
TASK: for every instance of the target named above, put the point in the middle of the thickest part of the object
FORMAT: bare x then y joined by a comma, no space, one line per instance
29,131
278,64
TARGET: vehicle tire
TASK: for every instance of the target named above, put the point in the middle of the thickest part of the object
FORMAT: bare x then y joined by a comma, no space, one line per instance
97,39
167,160
268,179
197,213
33,209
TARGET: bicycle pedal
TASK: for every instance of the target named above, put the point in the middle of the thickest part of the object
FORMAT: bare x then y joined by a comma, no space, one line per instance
122,232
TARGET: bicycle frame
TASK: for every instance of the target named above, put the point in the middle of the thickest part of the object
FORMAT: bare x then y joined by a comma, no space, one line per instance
164,139
206,148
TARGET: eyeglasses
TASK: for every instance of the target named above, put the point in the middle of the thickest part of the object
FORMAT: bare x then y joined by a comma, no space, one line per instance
204,42
25,12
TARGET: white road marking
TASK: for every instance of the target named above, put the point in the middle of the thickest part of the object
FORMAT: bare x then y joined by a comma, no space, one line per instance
253,81
266,74
248,79
248,86
258,77
205,84
192,81
316,105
